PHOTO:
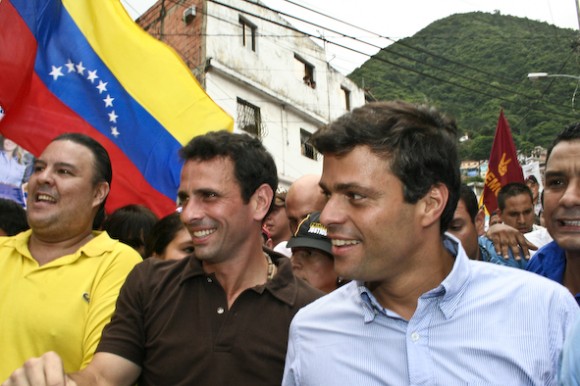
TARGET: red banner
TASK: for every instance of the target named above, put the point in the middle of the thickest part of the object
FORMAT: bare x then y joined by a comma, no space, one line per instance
504,166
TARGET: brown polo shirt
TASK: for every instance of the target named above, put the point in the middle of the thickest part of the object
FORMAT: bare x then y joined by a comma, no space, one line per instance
172,320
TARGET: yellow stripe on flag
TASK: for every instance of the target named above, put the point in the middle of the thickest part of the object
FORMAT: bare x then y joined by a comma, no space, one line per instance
151,71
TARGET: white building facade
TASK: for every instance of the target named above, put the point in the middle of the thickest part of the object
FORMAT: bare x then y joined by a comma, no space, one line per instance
273,80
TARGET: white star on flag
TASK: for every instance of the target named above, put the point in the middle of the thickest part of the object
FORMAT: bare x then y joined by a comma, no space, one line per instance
80,68
56,72
92,76
70,66
102,86
113,117
108,101
115,132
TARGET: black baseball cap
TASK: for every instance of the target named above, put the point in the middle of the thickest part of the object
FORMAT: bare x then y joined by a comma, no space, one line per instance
311,234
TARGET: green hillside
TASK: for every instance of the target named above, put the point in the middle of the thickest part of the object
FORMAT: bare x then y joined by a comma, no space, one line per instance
472,65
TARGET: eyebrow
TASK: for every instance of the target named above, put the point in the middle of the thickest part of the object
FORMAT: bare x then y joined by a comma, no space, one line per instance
351,186
554,173
57,164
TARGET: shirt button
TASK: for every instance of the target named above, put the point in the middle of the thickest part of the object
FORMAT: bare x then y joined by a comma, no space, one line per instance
209,280
220,310
415,336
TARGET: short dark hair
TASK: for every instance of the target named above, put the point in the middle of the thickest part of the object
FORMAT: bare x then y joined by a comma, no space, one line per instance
130,224
162,233
253,164
569,133
103,170
418,142
12,217
467,195
511,190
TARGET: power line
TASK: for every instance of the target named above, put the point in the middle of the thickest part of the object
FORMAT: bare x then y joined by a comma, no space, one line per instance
459,85
406,68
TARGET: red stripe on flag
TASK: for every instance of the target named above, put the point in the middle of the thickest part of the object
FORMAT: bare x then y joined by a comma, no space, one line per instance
40,108
15,38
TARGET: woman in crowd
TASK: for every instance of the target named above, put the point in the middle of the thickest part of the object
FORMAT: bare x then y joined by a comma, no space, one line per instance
169,239
14,171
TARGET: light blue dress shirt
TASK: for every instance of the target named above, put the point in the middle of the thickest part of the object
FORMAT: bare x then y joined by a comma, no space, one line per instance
485,324
570,373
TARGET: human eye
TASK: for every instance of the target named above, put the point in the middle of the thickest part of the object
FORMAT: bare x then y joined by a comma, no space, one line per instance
455,226
210,195
37,168
181,201
64,172
555,182
354,196
187,250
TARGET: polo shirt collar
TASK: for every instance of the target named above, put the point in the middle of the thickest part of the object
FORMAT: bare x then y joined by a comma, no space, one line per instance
99,244
283,286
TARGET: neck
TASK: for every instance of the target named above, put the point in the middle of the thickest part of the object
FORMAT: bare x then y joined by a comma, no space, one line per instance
238,274
401,293
572,273
44,249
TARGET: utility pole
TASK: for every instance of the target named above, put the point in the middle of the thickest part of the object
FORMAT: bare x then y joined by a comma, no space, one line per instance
578,12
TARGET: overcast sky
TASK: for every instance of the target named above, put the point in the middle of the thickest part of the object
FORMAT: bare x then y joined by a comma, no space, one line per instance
394,19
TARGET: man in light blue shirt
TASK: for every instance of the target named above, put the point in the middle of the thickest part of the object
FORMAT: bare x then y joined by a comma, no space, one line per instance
570,372
418,311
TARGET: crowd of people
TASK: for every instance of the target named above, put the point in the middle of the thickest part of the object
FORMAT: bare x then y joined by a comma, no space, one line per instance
379,271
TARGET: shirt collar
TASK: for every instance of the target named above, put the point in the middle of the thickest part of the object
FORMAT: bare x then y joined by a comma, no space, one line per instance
450,291
99,244
283,285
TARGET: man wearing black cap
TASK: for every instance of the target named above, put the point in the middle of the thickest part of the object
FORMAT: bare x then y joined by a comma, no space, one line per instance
312,258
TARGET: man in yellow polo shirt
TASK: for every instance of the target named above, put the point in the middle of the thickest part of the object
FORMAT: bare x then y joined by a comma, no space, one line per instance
59,281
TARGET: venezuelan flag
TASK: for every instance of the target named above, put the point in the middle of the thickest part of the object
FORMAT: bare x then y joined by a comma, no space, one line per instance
85,66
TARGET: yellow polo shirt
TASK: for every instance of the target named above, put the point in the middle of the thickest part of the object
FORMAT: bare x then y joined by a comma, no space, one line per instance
61,306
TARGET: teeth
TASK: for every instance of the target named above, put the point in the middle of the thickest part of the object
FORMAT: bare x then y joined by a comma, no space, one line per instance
571,223
45,197
203,233
340,243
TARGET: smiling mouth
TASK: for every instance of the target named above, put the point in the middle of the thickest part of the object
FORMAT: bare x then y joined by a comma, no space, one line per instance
41,197
341,243
204,233
569,223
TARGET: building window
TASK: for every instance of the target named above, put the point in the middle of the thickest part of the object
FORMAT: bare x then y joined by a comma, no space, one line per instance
306,71
306,147
249,119
248,33
346,92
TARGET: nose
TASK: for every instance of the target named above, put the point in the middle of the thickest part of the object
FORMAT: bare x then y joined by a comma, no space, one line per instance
191,211
332,213
43,176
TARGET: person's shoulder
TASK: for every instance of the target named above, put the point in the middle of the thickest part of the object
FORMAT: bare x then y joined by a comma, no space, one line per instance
290,288
162,268
547,258
327,306
305,293
156,275
512,280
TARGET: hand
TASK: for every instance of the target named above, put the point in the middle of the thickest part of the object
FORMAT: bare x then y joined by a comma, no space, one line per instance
507,238
47,370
